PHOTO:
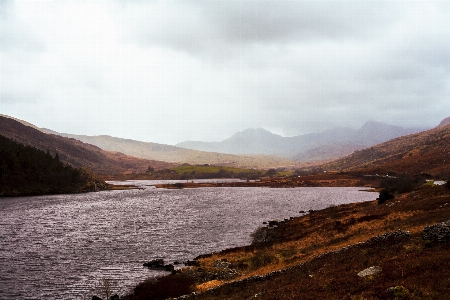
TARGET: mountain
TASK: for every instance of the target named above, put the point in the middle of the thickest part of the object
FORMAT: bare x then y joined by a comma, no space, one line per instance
76,153
423,152
327,145
160,153
179,155
249,141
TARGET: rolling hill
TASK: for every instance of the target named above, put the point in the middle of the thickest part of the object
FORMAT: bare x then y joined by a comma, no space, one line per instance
423,152
180,155
77,153
158,153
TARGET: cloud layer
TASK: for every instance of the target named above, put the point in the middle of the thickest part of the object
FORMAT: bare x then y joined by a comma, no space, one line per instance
169,71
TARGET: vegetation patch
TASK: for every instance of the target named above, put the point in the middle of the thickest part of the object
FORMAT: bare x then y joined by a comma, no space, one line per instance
25,170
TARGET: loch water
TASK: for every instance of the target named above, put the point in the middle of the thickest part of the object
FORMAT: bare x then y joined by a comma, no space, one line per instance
62,246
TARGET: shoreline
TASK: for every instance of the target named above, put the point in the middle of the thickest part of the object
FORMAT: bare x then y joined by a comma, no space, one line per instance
238,273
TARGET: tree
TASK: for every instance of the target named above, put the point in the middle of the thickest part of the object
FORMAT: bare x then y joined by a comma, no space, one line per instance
384,196
271,172
262,235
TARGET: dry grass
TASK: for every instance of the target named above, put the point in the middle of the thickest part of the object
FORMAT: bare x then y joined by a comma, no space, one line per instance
300,240
419,269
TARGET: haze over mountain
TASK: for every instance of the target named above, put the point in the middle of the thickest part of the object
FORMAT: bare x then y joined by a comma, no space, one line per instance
423,152
178,155
159,152
327,145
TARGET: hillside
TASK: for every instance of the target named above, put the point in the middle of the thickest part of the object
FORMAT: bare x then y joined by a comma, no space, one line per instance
445,122
320,254
423,152
327,145
25,170
77,153
179,155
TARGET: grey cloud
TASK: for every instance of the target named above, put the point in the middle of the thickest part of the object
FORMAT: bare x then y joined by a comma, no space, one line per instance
272,21
212,25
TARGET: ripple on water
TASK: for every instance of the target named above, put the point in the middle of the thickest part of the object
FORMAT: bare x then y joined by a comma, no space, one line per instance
77,240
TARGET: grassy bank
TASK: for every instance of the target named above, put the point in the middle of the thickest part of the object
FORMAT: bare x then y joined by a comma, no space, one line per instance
413,268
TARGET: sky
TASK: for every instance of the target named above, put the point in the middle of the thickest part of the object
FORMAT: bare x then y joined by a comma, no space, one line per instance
172,71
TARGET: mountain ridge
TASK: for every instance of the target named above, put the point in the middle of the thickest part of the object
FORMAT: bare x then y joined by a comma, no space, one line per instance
171,155
306,147
423,152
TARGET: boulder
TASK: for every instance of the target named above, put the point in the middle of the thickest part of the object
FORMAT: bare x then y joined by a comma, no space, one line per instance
192,263
169,268
155,263
397,292
369,271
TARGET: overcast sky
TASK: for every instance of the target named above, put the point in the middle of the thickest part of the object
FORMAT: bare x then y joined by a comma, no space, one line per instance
171,71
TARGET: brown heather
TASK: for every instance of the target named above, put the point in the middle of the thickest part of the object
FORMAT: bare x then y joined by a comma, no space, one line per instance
413,268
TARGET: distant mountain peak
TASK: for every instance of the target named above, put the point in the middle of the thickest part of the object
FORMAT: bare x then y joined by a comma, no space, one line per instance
377,124
255,132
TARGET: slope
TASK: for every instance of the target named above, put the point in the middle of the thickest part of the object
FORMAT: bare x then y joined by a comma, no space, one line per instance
174,154
76,153
423,152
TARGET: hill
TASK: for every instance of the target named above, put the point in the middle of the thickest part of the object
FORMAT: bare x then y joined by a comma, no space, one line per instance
77,153
327,145
179,155
25,170
423,152
320,254
445,122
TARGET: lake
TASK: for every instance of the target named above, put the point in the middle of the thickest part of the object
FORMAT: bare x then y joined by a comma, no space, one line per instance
61,246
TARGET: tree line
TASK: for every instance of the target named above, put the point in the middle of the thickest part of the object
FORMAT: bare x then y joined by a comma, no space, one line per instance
25,170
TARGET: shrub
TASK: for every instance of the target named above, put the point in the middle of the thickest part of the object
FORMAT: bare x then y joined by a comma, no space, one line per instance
401,184
261,259
170,286
384,196
262,235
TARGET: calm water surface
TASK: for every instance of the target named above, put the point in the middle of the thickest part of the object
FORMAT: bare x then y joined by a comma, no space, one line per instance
59,247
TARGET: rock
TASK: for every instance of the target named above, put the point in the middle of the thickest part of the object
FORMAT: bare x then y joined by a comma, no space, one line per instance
156,263
169,268
438,232
221,264
273,223
397,293
369,271
192,263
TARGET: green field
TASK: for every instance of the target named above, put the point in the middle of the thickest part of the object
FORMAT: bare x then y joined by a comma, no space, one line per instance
208,171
